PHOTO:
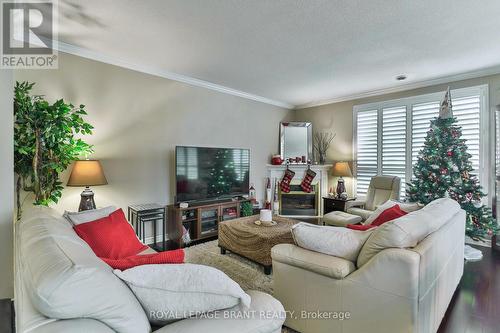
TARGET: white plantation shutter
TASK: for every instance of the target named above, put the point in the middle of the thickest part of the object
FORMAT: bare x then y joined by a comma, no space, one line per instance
383,129
422,114
366,152
394,144
467,110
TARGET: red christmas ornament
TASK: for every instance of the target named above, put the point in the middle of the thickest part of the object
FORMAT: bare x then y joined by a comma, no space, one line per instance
450,153
444,171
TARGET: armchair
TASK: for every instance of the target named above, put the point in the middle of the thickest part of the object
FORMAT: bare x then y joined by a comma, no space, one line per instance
381,189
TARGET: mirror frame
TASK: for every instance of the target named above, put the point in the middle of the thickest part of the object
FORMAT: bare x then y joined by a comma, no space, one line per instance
308,125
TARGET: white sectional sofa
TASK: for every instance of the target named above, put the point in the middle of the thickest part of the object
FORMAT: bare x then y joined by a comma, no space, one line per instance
61,286
397,290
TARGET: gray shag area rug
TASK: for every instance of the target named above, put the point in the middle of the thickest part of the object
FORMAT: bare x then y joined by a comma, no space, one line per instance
249,275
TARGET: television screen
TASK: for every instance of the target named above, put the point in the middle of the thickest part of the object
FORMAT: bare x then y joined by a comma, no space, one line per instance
211,173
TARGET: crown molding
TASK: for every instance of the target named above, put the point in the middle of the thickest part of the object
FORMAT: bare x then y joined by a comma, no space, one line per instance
85,53
405,87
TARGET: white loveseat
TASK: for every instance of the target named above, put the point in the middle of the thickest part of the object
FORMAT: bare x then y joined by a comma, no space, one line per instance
397,290
56,273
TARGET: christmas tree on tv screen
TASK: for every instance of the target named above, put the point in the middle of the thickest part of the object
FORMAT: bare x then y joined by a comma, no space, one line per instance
444,169
222,174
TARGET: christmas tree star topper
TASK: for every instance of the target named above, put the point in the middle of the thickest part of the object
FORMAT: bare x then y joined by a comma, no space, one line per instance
445,111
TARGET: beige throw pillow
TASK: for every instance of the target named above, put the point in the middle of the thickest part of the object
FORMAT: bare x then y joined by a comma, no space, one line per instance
335,241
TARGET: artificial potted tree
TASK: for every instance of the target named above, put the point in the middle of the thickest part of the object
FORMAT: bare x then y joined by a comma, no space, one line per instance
45,143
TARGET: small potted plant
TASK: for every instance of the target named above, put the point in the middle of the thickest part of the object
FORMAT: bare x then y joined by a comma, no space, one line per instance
246,208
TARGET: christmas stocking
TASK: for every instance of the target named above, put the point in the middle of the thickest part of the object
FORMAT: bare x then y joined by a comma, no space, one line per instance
285,182
306,182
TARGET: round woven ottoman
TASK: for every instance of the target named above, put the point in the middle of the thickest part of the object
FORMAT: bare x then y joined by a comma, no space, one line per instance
340,219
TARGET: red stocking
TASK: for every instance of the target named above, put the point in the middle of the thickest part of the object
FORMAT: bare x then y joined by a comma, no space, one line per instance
285,182
306,182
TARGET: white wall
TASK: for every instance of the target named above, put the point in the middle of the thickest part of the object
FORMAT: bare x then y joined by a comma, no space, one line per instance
7,188
139,119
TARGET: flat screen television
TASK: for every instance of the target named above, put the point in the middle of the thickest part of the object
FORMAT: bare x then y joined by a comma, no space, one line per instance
211,173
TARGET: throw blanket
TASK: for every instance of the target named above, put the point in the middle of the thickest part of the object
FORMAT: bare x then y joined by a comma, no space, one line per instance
166,257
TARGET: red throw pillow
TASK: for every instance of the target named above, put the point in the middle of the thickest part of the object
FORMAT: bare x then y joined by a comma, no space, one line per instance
388,215
110,237
362,227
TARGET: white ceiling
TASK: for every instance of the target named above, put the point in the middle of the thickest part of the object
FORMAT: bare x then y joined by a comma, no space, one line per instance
297,52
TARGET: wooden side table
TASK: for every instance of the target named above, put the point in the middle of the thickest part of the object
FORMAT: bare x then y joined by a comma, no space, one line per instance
331,204
139,215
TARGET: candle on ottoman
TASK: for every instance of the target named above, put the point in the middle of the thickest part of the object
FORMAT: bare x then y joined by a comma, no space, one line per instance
266,215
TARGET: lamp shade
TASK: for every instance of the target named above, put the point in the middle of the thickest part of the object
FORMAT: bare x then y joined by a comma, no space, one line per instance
87,173
342,169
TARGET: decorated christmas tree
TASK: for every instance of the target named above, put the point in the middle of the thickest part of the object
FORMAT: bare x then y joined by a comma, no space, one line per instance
222,174
444,169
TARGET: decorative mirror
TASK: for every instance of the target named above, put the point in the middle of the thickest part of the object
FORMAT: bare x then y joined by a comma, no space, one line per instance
296,140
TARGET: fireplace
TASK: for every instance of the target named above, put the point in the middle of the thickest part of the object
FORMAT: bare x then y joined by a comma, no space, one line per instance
297,202
300,203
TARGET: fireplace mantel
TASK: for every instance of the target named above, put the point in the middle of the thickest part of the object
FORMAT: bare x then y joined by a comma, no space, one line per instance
276,172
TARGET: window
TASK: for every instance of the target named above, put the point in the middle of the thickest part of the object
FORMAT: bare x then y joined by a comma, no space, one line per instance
389,135
367,149
394,143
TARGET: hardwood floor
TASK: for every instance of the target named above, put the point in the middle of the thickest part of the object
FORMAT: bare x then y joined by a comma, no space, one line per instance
475,308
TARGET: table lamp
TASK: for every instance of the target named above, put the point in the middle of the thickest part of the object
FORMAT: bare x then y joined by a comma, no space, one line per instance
341,169
87,173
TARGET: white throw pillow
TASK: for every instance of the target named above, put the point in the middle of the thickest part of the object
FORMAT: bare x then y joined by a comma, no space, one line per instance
335,241
177,291
409,230
373,216
85,216
408,206
405,206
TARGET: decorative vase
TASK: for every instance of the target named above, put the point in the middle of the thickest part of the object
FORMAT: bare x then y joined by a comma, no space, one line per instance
321,158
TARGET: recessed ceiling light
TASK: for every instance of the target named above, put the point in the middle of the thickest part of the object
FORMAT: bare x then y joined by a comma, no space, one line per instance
401,77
